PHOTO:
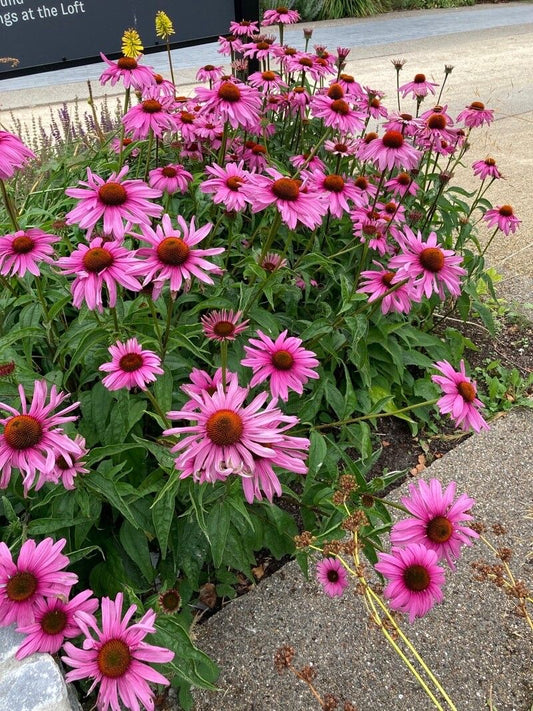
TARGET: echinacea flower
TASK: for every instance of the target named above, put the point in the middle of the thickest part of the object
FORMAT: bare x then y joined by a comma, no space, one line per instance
131,366
223,325
226,185
280,16
54,621
336,112
239,104
292,202
152,114
210,73
273,261
37,573
331,574
418,88
460,397
115,200
128,70
32,438
437,520
97,264
21,251
116,659
401,184
169,601
170,179
244,28
67,471
13,155
201,381
172,255
430,267
486,169
335,190
390,151
503,218
266,81
415,579
378,282
476,115
228,436
283,362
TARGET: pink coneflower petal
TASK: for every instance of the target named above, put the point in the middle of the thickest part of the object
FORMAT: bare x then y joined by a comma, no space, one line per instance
415,579
437,520
476,115
390,151
283,362
280,16
419,87
332,575
131,366
486,169
129,71
116,658
459,399
170,179
13,155
38,573
237,103
503,218
226,185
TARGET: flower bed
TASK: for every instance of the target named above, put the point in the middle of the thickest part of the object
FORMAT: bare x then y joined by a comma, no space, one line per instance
205,307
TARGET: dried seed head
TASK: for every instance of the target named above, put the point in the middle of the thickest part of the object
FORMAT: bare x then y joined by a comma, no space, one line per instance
283,658
307,673
304,540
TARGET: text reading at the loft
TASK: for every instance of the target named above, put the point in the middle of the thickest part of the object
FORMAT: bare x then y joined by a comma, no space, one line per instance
13,11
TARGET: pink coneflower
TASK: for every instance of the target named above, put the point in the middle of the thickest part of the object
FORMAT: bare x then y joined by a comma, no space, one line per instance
116,658
118,145
170,179
331,574
476,115
435,133
293,204
186,124
404,123
13,155
165,87
390,151
97,264
31,438
401,184
378,282
376,110
266,81
503,218
115,200
20,251
336,113
228,436
238,104
260,48
37,573
344,147
315,163
419,87
172,257
131,366
209,73
54,621
223,325
429,266
303,63
244,28
226,185
228,46
280,16
415,579
374,232
152,114
335,191
351,87
298,100
273,261
127,69
437,522
201,382
460,397
283,362
64,470
486,169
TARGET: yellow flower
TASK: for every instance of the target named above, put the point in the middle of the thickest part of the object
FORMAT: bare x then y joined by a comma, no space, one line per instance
163,25
131,43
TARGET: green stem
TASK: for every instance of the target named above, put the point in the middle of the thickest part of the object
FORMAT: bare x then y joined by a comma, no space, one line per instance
489,242
148,154
170,63
164,344
157,408
224,362
115,320
10,207
375,415
123,128
154,317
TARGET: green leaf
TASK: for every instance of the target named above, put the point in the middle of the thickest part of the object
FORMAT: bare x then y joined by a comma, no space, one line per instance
163,513
317,451
163,390
136,546
19,335
218,522
107,488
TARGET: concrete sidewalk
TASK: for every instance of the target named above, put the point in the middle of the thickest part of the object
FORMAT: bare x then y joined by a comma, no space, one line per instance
473,642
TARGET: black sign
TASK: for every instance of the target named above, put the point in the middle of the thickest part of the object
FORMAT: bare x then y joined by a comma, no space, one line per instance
48,34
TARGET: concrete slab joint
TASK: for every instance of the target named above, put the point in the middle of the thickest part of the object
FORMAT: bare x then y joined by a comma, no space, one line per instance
31,684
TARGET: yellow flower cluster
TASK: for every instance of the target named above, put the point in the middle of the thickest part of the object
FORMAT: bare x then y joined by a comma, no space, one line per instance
131,43
163,25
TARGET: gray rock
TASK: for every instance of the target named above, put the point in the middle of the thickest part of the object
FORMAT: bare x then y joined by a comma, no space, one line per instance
33,684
